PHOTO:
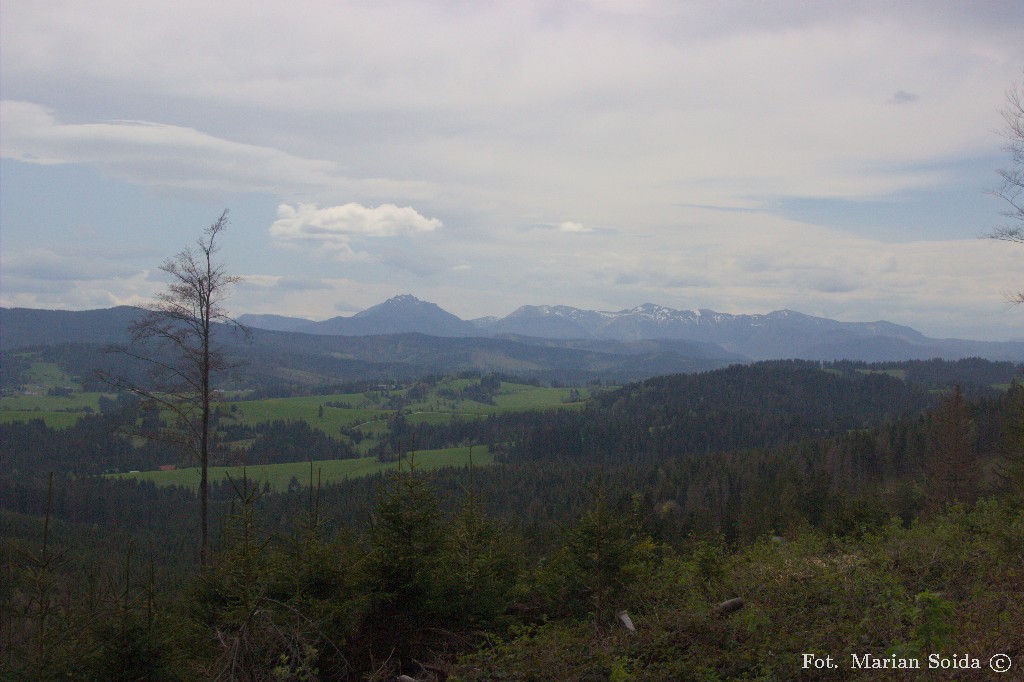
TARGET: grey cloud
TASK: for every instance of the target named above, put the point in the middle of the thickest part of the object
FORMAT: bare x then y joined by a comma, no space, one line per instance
903,97
44,264
421,265
301,284
831,285
32,285
688,283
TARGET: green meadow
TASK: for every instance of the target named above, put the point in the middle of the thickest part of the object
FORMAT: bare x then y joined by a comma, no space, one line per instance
76,402
900,374
54,420
308,409
48,374
329,471
57,411
367,411
510,398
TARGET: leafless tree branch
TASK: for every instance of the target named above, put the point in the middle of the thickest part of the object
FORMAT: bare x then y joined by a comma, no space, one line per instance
176,339
1011,190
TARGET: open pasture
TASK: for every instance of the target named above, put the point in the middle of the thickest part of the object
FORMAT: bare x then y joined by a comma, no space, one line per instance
54,420
308,409
47,375
59,412
280,475
367,410
515,397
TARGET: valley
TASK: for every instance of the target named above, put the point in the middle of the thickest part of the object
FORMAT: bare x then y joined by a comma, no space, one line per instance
370,484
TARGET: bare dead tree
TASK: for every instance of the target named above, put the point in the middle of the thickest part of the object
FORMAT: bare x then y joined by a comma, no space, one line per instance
1012,188
175,340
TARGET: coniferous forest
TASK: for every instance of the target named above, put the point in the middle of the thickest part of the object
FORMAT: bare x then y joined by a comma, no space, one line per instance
761,521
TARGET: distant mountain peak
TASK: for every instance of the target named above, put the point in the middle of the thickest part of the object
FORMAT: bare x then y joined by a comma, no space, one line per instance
403,303
559,310
403,299
655,311
400,301
398,315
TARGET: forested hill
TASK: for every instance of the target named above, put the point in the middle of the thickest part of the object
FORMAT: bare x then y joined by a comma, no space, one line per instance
761,405
814,492
22,327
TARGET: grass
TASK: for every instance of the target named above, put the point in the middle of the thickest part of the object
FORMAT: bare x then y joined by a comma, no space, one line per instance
520,397
900,374
510,398
307,409
280,475
54,420
49,375
369,414
57,412
442,416
367,410
76,402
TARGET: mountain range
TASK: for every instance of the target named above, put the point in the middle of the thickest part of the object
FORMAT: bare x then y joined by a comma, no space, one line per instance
405,337
779,334
77,341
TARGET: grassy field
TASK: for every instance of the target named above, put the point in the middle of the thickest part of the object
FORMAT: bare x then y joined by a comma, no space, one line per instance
48,375
900,374
55,420
308,409
76,402
368,411
519,397
510,398
280,475
57,412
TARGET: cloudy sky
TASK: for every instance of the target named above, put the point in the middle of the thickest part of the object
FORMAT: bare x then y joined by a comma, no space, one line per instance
831,158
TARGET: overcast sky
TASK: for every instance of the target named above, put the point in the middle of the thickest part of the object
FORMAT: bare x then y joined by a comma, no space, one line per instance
831,158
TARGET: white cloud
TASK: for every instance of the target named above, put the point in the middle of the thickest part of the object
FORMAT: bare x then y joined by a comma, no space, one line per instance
569,226
179,158
156,154
335,227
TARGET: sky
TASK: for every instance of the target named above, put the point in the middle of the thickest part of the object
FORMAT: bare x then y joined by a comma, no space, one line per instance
834,158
